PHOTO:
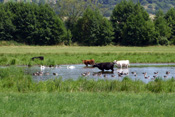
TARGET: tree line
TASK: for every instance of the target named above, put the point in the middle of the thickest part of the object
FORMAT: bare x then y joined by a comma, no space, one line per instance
128,25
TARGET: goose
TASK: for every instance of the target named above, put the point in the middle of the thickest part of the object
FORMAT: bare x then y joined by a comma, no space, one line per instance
105,75
156,72
70,67
85,74
99,74
145,73
135,75
146,77
47,73
56,74
94,74
133,72
167,72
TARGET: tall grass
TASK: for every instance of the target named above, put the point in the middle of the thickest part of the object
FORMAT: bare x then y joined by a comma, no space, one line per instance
13,79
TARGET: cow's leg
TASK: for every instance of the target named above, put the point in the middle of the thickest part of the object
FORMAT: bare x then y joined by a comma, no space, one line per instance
112,70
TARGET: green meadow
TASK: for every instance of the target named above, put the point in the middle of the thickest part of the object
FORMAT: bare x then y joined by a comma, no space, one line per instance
21,96
21,55
85,104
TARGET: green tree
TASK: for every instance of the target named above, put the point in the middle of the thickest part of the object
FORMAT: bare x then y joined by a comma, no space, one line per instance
36,24
139,32
132,25
119,17
170,18
162,28
6,26
93,30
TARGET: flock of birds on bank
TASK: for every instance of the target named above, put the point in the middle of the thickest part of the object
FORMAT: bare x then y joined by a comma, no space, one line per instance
100,74
122,74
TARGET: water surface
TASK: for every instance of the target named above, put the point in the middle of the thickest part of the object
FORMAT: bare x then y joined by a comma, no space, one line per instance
95,73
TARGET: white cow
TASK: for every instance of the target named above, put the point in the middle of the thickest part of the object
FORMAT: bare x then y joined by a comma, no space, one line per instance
122,63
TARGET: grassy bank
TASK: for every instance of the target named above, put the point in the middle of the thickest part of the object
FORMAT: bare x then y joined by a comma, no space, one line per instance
86,104
21,55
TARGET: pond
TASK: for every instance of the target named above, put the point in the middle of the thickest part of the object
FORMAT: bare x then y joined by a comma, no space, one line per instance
80,70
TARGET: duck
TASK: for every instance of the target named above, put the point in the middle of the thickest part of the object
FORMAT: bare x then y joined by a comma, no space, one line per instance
70,67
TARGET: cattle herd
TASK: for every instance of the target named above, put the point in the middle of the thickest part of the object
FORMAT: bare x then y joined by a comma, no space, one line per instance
107,65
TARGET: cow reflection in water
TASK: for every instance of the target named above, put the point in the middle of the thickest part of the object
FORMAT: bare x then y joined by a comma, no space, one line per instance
123,71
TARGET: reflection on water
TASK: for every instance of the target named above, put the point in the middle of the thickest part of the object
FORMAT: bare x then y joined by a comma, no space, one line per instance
94,73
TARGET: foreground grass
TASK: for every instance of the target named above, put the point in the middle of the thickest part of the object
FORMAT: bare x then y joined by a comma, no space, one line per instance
86,104
55,55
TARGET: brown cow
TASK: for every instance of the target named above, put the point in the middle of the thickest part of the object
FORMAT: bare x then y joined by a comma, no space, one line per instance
90,62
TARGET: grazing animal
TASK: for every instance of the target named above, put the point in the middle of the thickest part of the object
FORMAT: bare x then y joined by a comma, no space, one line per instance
89,62
122,63
105,66
38,57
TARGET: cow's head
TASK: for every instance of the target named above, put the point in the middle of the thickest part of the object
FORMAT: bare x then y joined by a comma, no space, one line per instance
96,65
115,62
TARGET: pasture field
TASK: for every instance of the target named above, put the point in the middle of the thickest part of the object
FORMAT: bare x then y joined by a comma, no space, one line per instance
20,96
21,55
87,104
83,49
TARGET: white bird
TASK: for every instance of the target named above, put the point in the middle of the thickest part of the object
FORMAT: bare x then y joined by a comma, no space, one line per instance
42,67
70,67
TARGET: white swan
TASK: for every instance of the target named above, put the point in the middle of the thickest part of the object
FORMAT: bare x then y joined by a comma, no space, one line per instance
70,67
42,67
